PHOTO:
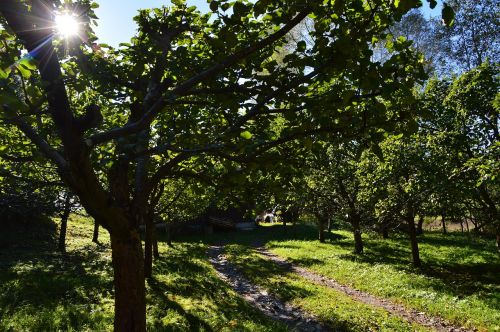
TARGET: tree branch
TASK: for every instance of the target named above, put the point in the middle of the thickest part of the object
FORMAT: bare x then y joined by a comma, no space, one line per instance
185,86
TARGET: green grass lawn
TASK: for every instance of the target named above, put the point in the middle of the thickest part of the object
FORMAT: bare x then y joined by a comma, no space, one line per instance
459,280
43,290
332,307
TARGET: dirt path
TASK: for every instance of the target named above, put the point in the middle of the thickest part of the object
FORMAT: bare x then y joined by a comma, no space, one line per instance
399,310
272,307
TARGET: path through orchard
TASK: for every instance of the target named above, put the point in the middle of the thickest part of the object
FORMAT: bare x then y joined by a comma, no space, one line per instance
298,319
294,318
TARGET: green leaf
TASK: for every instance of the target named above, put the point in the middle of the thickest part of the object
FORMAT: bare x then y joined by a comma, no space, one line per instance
246,134
214,6
377,151
448,15
301,46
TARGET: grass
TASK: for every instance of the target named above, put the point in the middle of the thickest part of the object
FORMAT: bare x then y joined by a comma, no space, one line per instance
334,308
43,290
459,279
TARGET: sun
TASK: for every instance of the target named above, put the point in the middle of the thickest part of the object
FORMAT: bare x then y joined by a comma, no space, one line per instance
67,25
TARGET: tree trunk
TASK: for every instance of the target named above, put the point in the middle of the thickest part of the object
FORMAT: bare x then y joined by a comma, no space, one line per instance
321,229
95,236
498,238
410,219
64,223
148,247
443,222
329,227
130,297
356,229
385,232
170,230
156,253
420,225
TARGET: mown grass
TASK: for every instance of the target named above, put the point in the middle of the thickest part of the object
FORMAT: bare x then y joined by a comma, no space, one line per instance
336,309
459,280
44,290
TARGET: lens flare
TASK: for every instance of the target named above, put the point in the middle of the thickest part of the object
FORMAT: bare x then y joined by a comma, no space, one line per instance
67,25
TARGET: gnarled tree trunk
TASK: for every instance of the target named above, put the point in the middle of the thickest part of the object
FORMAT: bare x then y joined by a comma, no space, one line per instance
128,268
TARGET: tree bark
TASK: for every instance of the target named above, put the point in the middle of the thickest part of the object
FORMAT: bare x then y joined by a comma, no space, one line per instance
410,219
64,223
329,227
443,223
321,229
385,233
156,253
498,238
148,247
169,230
95,236
130,296
356,229
420,225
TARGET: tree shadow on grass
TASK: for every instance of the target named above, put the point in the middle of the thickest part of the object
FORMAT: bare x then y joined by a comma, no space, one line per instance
184,273
444,274
53,291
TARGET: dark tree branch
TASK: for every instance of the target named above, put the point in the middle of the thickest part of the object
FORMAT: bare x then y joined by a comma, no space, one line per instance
185,86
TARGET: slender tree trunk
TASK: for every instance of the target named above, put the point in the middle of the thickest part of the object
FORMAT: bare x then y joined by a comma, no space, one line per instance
169,233
130,296
443,223
95,236
64,223
420,225
410,219
148,247
498,238
321,229
356,229
156,253
385,232
329,227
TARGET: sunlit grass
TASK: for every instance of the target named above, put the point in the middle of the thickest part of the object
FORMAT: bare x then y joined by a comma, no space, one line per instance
459,279
43,290
336,309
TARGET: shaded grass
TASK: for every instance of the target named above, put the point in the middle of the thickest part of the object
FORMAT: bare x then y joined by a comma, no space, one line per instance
335,308
43,290
459,279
